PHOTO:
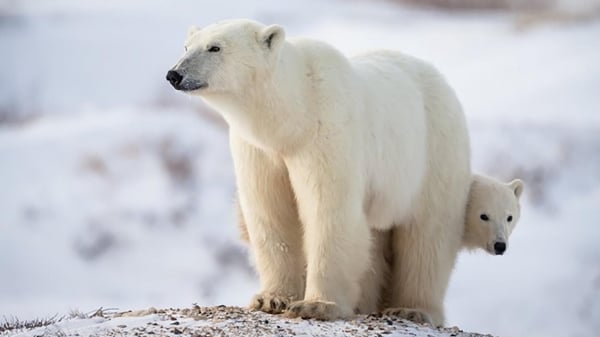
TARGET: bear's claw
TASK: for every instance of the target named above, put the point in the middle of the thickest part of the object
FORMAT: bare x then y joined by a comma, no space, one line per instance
414,315
270,303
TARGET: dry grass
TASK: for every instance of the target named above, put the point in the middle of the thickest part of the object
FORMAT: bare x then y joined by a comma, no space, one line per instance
528,20
460,4
529,13
15,324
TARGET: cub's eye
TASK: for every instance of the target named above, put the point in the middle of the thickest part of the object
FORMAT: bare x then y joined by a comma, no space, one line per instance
185,48
484,217
509,219
214,49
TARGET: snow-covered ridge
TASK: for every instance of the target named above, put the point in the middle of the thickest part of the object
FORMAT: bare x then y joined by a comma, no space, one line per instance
230,321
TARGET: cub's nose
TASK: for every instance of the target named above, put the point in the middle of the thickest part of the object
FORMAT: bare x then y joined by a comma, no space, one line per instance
174,78
499,248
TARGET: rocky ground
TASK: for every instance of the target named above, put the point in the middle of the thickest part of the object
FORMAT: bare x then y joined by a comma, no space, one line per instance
221,321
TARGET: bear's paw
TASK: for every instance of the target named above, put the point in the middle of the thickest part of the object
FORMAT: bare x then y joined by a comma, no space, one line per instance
414,315
320,310
270,303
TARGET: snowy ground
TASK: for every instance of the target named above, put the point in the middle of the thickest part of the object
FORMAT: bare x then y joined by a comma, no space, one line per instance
119,194
228,321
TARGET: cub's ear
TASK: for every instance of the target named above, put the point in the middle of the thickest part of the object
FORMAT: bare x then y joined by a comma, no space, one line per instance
272,37
192,30
517,186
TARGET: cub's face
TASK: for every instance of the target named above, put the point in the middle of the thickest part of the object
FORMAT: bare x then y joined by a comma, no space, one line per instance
227,57
493,213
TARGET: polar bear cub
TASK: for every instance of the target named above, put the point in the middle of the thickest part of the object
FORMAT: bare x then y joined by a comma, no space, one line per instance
493,210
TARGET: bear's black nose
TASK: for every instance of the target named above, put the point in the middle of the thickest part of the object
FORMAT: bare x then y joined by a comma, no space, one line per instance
499,248
174,78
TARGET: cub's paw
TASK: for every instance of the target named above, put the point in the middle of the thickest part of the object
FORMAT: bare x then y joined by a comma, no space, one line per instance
321,310
414,315
271,303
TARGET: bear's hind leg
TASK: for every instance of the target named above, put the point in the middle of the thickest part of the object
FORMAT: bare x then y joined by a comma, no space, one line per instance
377,277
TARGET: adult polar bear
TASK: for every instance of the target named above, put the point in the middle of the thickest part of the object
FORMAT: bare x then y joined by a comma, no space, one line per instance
327,149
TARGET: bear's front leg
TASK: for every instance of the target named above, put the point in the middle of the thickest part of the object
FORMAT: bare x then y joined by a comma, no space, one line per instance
274,231
336,235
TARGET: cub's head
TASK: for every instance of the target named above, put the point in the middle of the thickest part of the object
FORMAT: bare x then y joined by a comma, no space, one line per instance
492,213
226,57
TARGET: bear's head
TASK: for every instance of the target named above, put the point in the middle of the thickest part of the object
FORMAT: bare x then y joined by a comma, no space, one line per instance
492,213
227,57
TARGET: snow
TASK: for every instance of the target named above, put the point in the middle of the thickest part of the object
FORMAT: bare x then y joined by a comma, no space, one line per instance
117,191
229,321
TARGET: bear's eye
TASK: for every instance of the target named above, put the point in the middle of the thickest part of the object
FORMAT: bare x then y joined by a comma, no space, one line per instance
484,217
185,48
509,219
214,49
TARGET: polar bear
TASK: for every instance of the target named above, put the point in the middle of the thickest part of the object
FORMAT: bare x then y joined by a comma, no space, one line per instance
493,210
327,149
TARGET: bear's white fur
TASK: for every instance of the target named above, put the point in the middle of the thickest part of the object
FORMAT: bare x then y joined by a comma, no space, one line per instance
328,149
492,213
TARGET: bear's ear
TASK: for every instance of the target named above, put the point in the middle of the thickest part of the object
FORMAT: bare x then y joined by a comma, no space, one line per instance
517,186
192,30
272,37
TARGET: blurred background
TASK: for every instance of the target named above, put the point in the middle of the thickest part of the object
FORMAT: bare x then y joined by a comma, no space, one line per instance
116,191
